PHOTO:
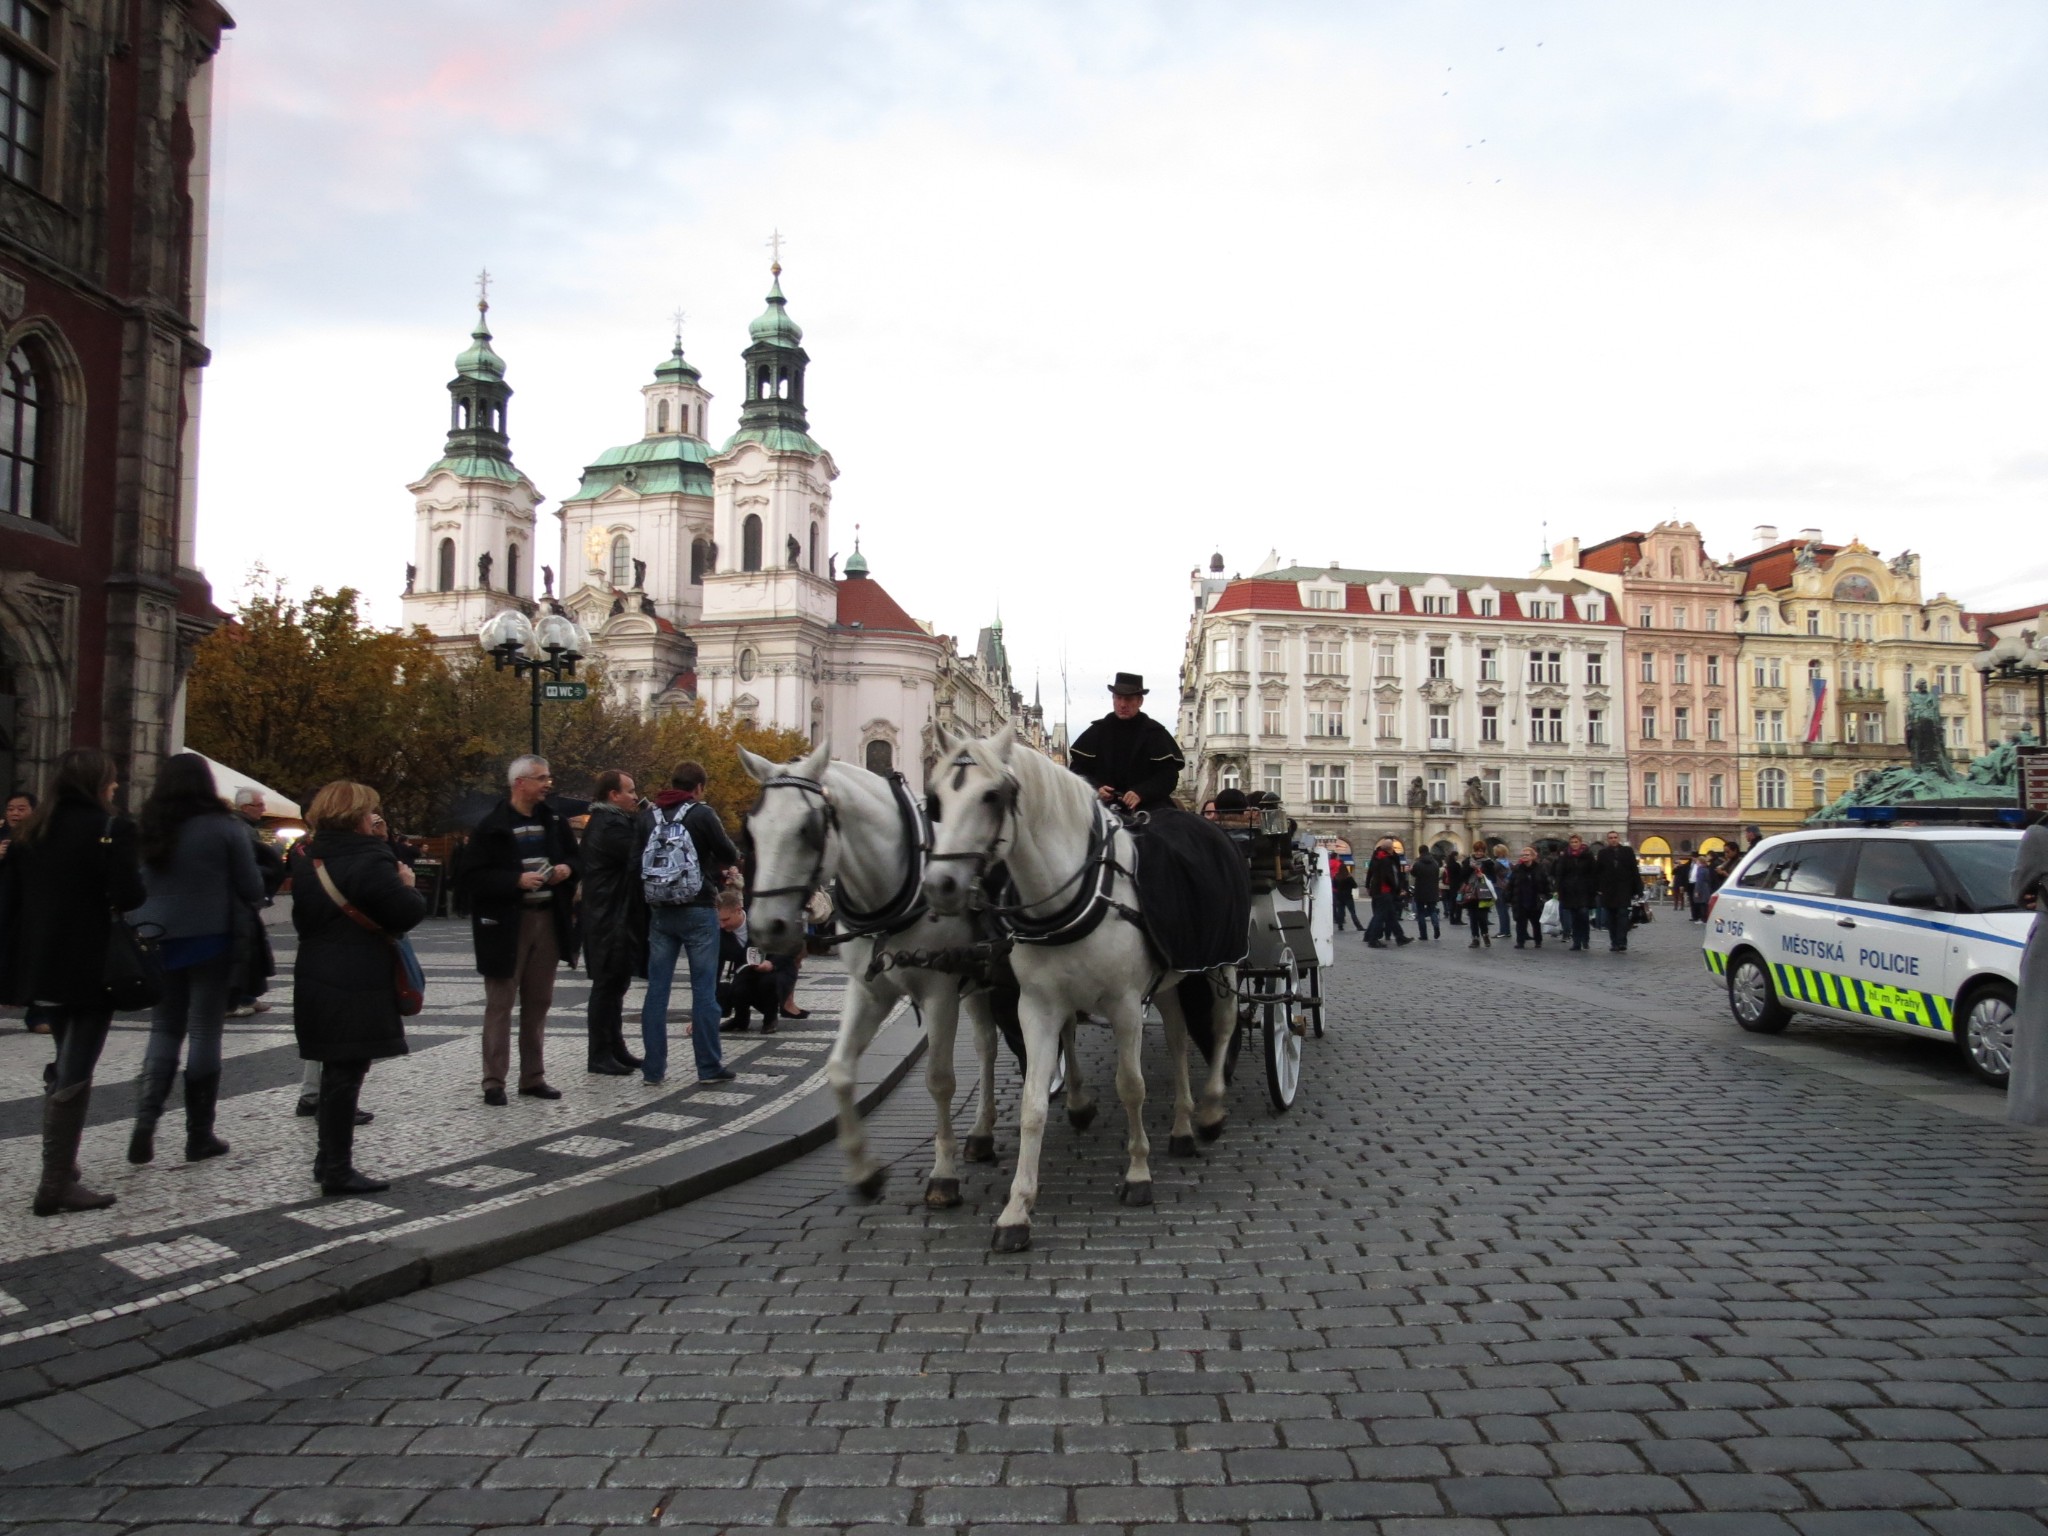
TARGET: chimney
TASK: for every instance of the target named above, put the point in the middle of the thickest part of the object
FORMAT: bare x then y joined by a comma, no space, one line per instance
1766,533
1809,535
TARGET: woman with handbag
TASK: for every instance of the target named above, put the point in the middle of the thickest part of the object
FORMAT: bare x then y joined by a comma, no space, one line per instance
352,904
68,877
198,868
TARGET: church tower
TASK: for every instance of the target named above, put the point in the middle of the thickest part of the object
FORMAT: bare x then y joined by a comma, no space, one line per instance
473,511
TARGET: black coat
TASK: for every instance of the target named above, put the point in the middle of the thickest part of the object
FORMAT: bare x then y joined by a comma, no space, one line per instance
1528,889
1384,875
58,896
1578,878
1423,877
1621,878
613,910
1138,754
491,874
344,988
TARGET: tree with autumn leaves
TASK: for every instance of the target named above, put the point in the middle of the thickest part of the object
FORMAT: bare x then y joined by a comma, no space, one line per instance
296,692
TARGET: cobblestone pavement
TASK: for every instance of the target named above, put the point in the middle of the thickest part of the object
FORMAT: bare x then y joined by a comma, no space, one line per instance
1545,1247
184,1237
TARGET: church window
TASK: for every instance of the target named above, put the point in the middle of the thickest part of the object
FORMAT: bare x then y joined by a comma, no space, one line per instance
814,549
750,543
661,415
880,757
622,561
24,85
24,436
746,667
444,570
700,561
512,569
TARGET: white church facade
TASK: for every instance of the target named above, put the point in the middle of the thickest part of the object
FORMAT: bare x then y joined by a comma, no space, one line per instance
701,573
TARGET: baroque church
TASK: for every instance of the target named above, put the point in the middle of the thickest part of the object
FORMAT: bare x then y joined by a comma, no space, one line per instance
700,573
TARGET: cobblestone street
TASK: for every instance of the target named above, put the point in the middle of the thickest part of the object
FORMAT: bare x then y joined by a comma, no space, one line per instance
1546,1245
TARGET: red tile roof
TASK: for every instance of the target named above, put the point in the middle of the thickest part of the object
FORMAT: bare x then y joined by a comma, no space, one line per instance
1255,593
1613,556
864,602
1771,568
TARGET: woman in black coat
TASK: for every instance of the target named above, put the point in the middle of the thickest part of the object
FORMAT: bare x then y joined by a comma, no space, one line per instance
344,988
69,871
613,916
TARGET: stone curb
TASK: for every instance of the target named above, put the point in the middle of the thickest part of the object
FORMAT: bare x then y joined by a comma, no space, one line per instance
80,1405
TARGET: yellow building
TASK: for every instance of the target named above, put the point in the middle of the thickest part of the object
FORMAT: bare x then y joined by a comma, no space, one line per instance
1833,640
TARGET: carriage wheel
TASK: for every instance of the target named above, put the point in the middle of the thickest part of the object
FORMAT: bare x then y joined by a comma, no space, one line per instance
1283,1045
1312,983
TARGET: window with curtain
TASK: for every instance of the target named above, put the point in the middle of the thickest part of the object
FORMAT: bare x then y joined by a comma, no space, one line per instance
24,432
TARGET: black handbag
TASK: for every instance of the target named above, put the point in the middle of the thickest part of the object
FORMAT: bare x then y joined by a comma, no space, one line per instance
132,975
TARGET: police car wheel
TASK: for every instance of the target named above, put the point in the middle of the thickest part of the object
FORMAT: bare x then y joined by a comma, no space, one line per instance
1752,998
1985,1033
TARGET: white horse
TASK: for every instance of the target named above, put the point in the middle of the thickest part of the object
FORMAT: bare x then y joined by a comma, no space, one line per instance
821,824
1080,947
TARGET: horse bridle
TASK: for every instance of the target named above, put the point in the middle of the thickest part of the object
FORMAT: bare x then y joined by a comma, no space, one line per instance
821,821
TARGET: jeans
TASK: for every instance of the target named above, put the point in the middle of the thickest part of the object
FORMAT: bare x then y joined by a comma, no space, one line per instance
1502,909
694,931
195,1001
1578,924
1347,902
1427,924
1386,919
1617,927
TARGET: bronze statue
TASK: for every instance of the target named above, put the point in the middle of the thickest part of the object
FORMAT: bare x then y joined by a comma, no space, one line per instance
483,570
411,575
1925,735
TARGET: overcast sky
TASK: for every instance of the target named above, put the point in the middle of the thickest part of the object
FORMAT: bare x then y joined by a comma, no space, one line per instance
1093,289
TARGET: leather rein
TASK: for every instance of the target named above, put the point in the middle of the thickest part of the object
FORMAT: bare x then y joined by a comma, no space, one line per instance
821,824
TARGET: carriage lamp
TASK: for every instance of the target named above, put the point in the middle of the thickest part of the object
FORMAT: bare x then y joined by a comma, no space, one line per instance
2012,660
545,653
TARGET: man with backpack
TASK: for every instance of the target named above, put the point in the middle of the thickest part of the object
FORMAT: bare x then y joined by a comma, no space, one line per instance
685,856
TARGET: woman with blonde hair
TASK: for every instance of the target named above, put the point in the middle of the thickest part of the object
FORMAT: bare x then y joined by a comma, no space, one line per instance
352,900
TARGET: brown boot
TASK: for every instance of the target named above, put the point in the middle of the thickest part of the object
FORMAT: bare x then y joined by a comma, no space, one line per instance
63,1128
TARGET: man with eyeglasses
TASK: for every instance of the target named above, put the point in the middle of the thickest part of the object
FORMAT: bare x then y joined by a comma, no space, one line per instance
521,876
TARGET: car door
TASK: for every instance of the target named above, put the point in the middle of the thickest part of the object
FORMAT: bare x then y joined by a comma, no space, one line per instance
1803,910
1896,937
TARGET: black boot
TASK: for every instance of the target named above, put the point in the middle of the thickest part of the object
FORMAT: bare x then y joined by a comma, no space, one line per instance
151,1089
201,1095
334,1163
60,1192
617,1045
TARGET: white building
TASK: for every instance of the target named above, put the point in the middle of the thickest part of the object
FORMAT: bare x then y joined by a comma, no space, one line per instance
700,572
1421,706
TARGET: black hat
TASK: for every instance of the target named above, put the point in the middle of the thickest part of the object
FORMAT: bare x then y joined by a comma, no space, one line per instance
1230,800
1128,685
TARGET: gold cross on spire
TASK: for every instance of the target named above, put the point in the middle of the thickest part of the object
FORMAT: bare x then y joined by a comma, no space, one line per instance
774,243
483,289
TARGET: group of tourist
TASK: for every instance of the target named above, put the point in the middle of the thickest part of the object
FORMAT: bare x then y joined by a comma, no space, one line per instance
92,901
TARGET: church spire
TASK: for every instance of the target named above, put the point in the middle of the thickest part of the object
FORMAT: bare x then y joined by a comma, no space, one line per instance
478,393
775,363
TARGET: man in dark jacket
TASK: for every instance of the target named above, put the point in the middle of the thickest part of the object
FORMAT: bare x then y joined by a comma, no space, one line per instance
1621,882
521,877
1528,889
689,927
1578,889
1386,882
1425,881
614,918
1128,756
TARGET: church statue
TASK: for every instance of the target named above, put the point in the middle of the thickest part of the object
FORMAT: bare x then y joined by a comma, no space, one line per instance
639,575
832,565
618,606
547,581
647,605
796,552
1475,795
1418,795
412,574
483,570
1925,734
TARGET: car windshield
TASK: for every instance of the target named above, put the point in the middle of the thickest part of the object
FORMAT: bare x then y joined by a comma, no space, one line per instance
1983,868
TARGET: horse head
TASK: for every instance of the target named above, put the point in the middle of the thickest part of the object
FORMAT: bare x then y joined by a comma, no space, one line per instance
971,794
791,826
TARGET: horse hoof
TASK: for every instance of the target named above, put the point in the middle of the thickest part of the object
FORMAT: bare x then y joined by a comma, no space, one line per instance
1135,1193
979,1149
942,1194
1012,1239
870,1188
1080,1119
1210,1130
1180,1146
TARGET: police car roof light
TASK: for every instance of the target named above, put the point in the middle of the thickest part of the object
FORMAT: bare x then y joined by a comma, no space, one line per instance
1875,815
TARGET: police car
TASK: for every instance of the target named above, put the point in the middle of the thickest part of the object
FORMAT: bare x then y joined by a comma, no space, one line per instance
1913,929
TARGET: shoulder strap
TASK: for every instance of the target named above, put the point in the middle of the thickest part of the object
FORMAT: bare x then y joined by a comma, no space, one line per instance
347,910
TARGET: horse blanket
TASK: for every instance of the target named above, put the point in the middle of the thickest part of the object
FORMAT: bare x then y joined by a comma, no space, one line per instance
1194,890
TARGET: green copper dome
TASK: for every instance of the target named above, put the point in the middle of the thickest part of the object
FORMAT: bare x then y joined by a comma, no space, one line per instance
675,367
775,327
480,362
655,466
856,563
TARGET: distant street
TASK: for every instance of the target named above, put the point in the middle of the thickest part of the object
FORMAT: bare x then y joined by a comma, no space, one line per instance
1545,1246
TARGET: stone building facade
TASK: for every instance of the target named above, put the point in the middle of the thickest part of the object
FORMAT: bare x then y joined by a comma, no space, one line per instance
1430,707
105,128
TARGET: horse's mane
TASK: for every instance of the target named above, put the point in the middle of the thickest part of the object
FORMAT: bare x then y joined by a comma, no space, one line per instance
1030,766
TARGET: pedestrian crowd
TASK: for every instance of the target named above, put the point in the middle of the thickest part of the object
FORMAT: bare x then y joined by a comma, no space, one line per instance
1565,894
102,913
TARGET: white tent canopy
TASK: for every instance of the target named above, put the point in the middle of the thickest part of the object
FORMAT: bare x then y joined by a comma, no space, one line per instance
227,781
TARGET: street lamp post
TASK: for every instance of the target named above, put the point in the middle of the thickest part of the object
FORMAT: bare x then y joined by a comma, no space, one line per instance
2013,661
549,649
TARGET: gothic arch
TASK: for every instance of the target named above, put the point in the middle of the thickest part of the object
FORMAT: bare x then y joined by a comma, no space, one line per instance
38,623
63,434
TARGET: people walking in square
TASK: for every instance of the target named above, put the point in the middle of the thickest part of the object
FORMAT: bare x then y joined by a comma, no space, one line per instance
21,805
70,869
1578,890
1454,872
249,805
1528,890
1386,883
1499,868
2026,1099
1621,882
613,915
351,897
1425,879
521,876
197,868
1477,896
1343,892
686,857
1701,883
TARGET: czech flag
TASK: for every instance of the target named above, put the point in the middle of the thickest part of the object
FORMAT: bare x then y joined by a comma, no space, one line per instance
1820,703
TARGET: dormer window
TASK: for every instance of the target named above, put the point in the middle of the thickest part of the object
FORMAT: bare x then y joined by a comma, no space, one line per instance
1438,602
1325,597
